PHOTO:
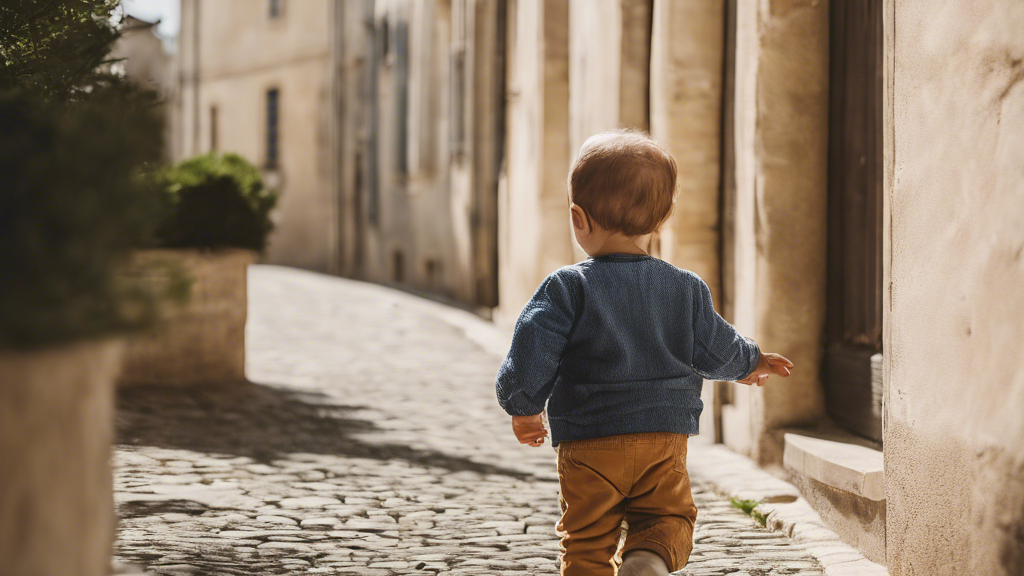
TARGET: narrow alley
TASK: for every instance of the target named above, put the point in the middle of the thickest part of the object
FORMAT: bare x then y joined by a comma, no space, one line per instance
368,442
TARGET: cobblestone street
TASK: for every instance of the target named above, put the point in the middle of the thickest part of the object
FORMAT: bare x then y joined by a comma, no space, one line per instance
369,442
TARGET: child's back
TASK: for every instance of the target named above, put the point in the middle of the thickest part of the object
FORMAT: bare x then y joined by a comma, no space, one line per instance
620,343
616,348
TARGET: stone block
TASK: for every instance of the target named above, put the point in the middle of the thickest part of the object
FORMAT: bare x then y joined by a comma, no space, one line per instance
202,342
56,414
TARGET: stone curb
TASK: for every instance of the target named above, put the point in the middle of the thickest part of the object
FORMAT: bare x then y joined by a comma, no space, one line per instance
786,511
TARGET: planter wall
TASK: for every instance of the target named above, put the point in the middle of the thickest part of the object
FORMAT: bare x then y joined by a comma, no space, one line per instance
56,429
202,342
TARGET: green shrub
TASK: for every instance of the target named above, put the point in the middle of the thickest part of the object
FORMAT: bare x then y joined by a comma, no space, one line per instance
71,205
215,201
57,48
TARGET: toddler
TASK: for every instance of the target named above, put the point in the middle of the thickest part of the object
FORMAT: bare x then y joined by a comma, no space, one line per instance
617,347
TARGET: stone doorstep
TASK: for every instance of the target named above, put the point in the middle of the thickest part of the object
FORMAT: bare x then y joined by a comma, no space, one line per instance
737,476
849,467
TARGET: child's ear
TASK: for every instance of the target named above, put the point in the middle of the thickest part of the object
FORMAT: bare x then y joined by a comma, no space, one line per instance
579,219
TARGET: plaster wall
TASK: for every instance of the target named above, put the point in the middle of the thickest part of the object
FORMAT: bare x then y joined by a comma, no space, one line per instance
352,53
609,70
595,56
954,435
302,219
536,237
146,62
242,53
686,110
416,228
781,141
685,116
432,115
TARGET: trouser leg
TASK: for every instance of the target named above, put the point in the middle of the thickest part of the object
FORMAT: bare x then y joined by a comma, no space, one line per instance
660,510
592,511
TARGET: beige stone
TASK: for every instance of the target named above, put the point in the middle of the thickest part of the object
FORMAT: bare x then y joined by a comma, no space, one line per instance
954,433
845,483
609,70
858,521
231,52
685,116
855,469
202,342
686,109
56,428
145,60
536,237
781,139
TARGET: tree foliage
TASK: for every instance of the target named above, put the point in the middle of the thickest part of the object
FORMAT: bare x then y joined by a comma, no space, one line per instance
57,48
74,140
72,202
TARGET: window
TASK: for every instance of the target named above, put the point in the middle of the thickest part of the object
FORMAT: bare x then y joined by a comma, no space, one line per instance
433,273
401,48
458,104
276,8
273,130
398,261
852,371
213,128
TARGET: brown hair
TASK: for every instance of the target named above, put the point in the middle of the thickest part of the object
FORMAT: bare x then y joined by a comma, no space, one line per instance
624,181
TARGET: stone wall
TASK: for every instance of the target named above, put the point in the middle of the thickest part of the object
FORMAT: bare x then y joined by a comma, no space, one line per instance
536,237
203,341
420,161
779,213
56,428
954,434
243,53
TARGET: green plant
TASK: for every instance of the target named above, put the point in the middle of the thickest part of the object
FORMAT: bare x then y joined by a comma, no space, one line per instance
215,201
748,507
71,204
57,48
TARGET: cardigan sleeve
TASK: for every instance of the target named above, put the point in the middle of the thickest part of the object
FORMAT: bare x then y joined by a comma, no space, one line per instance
527,376
719,351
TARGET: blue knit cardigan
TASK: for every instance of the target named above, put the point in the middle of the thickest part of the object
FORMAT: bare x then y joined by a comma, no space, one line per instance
619,344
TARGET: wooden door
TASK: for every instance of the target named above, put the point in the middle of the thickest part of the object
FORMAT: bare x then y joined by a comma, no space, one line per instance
852,370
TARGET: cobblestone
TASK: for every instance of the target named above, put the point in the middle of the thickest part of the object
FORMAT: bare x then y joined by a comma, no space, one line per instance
369,442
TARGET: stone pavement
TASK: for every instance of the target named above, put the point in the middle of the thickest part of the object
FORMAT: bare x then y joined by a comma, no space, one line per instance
369,442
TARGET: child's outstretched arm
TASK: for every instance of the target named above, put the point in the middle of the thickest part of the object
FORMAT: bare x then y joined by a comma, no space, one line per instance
528,374
721,353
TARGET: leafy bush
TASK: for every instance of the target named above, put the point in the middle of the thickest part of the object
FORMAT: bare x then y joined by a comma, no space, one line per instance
215,201
71,204
57,48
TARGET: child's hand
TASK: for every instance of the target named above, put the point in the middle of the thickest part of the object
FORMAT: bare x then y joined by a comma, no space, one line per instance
768,364
529,430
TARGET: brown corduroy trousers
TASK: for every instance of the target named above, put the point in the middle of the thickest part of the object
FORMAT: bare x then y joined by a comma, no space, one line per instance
637,477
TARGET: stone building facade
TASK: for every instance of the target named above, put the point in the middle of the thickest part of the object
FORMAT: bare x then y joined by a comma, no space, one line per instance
256,79
422,143
142,57
380,122
850,188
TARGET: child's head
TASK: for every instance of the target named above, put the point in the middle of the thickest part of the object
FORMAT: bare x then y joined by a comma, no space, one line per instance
623,183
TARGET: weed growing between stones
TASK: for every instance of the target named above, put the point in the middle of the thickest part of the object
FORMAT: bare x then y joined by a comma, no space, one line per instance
749,508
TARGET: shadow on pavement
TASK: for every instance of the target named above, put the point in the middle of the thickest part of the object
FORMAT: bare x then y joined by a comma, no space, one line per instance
265,423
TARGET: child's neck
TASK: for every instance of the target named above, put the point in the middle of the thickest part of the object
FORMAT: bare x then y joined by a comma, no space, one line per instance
618,243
